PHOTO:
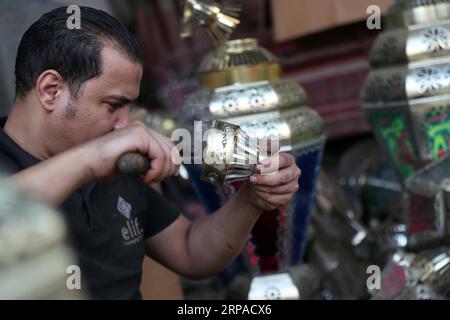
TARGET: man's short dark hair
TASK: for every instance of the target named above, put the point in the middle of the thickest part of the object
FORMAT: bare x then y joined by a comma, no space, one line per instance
75,54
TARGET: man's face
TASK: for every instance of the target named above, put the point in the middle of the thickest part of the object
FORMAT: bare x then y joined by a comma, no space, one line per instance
102,104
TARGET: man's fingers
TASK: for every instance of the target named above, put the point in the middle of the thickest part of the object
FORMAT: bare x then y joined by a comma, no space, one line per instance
275,163
283,177
158,157
173,158
160,153
280,190
154,174
269,145
166,150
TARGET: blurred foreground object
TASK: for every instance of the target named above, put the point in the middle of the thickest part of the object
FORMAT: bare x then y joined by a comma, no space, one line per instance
34,254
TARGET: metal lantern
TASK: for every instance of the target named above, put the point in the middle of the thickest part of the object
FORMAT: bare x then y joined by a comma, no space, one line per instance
429,205
232,154
406,96
241,85
408,276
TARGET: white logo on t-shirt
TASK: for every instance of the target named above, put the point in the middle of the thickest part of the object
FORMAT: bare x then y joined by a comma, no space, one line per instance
131,232
124,207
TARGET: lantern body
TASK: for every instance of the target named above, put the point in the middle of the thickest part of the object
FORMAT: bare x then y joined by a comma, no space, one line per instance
406,100
406,96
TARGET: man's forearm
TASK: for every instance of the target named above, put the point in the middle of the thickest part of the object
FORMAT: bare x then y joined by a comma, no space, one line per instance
52,181
214,242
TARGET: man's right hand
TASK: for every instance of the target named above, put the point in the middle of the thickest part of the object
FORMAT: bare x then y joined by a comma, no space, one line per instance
105,151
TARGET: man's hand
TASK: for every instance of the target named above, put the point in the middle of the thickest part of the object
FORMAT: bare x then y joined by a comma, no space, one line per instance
97,160
206,246
277,182
133,138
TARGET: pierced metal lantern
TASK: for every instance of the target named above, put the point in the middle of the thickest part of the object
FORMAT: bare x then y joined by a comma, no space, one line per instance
242,86
406,97
429,205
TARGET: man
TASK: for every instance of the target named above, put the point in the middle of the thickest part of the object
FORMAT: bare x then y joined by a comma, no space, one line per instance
67,129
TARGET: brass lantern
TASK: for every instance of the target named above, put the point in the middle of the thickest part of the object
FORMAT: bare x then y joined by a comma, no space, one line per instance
242,85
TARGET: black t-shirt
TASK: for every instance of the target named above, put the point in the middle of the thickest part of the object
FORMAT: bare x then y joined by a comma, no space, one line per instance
107,224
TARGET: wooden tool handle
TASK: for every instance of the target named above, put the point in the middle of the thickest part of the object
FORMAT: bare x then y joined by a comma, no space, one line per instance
133,163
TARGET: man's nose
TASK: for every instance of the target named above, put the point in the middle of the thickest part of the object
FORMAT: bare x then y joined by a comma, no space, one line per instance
123,118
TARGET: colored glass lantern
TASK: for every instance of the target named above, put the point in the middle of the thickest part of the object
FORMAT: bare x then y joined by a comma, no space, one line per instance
406,95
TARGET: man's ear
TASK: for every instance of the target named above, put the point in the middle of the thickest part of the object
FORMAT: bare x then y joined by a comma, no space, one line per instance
49,88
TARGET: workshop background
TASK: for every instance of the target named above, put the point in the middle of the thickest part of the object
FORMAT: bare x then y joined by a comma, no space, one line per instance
360,215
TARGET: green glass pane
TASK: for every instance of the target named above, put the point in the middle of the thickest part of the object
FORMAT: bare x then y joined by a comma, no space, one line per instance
393,129
437,129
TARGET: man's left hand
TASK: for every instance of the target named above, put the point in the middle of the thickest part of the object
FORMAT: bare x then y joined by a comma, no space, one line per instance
277,182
